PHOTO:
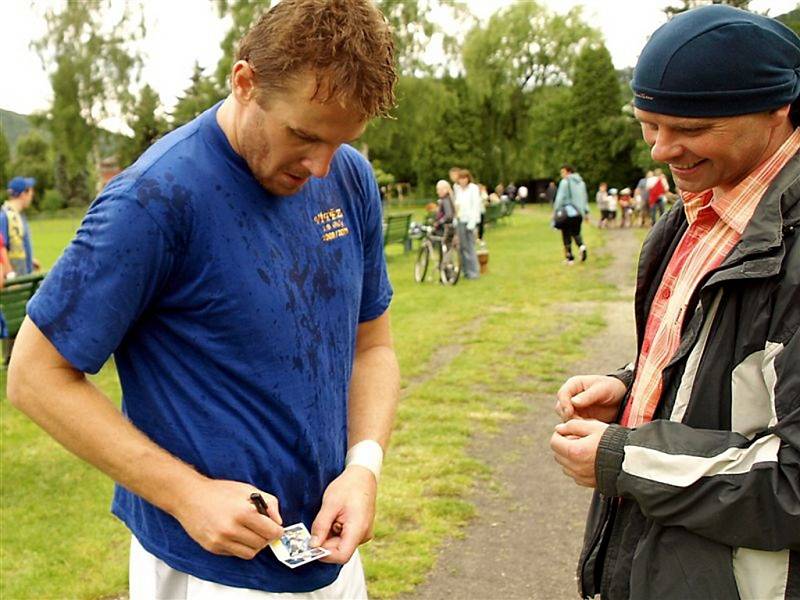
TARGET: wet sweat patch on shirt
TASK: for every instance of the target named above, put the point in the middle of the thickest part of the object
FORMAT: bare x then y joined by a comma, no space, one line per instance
232,315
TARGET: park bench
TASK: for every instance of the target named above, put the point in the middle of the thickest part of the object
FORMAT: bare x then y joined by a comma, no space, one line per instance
508,208
395,230
493,213
13,298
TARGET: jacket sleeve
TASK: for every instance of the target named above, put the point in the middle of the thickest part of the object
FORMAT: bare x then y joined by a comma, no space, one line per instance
625,375
584,198
740,491
562,194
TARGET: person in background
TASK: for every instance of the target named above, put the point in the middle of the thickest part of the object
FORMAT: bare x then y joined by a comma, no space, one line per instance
573,198
657,188
445,211
612,203
494,197
694,449
511,192
5,270
601,199
14,226
484,201
500,193
550,192
626,207
641,196
453,175
522,195
468,213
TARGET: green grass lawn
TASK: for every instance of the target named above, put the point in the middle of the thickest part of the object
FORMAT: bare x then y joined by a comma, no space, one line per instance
509,334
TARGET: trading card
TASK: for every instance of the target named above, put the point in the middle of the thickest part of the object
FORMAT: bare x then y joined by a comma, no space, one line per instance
292,548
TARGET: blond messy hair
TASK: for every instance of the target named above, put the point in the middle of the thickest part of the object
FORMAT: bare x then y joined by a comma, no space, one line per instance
346,44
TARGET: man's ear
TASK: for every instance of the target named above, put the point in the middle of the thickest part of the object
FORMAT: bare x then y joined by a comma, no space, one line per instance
779,115
243,81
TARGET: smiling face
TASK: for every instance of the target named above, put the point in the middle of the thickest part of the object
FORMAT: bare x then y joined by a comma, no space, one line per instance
287,137
713,152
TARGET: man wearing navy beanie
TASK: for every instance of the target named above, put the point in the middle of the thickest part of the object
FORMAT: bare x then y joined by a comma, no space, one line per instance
694,448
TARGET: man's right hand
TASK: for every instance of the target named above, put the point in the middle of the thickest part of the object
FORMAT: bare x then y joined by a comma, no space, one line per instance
590,397
219,516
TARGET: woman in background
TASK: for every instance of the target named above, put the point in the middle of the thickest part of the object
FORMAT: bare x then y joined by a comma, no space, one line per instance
468,215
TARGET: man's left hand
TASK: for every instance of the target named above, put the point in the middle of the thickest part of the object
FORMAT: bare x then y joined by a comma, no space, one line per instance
574,446
347,514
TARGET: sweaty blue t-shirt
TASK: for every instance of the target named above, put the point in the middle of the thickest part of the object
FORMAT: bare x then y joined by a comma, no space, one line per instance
232,317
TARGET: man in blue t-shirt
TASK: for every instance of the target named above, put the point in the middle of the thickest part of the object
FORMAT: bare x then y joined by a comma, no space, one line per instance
236,273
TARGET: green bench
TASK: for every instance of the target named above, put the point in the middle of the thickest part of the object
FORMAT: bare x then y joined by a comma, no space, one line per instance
395,230
508,208
13,298
493,213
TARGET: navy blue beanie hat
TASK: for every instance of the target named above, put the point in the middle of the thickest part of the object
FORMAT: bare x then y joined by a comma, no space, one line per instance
717,61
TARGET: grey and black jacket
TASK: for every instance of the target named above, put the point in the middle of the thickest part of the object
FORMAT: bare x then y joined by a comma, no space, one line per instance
704,501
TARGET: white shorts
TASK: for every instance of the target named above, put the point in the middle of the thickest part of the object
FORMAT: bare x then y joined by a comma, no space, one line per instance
153,579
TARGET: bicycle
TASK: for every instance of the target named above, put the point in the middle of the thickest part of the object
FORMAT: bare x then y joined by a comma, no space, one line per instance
449,266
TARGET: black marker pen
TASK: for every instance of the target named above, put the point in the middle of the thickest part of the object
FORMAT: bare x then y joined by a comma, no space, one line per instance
258,500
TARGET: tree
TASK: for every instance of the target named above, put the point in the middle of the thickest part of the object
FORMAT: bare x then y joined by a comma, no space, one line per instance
5,158
201,94
599,136
521,49
90,68
791,20
414,31
690,4
433,128
146,125
243,14
33,158
549,124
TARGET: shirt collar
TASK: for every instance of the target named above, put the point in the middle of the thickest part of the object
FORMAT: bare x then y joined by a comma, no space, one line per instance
737,206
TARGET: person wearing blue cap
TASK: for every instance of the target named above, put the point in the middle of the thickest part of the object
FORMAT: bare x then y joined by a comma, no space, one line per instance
14,227
694,448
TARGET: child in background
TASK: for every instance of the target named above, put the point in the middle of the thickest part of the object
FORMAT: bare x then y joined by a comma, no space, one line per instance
626,207
612,202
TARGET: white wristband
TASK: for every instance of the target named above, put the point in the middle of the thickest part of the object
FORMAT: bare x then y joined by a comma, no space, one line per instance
367,454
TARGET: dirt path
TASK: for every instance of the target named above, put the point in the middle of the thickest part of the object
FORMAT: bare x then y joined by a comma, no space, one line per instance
525,540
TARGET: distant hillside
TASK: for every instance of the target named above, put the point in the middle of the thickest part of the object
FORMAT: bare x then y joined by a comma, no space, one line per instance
791,20
14,126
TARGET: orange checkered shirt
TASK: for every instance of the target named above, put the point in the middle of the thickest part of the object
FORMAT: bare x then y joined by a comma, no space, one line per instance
715,227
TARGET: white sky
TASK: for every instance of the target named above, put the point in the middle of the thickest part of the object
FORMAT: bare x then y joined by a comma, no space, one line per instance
180,32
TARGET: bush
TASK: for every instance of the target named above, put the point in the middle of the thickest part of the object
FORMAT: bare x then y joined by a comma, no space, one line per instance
382,177
52,201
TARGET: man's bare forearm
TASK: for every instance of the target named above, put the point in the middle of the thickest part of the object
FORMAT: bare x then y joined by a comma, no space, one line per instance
72,410
374,393
374,385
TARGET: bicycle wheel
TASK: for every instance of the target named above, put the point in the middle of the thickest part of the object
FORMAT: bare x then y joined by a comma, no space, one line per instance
450,268
421,266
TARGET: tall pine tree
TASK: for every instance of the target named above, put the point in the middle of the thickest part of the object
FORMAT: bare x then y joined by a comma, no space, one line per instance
147,126
201,94
599,135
